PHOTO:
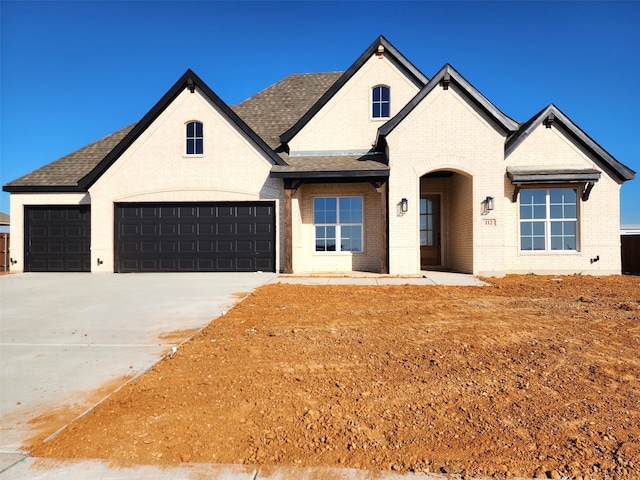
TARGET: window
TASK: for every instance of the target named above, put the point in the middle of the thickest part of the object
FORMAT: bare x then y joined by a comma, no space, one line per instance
549,219
380,101
338,224
194,138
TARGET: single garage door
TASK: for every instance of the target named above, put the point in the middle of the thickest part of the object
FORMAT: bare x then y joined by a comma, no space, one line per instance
195,237
58,239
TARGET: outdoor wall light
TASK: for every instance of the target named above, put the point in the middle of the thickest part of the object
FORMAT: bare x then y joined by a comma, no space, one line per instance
489,203
404,205
100,262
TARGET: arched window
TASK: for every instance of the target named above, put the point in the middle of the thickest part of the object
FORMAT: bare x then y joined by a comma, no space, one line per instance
380,101
194,138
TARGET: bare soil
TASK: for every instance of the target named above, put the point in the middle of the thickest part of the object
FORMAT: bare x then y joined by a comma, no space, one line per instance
527,376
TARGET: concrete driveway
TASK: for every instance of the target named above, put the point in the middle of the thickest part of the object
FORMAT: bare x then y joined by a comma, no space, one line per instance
68,339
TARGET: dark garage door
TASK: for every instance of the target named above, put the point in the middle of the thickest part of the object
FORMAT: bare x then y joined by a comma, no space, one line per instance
195,237
58,239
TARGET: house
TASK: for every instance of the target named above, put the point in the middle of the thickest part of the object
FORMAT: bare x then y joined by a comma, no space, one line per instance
378,168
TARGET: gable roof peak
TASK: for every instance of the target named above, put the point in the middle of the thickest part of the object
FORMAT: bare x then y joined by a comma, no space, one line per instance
389,52
551,116
444,77
188,80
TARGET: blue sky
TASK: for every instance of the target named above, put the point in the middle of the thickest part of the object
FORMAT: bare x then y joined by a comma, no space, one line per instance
74,72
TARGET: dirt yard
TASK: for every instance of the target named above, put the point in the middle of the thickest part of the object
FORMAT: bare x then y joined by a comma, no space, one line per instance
528,376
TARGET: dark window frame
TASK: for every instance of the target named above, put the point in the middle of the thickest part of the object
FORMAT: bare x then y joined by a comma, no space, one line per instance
381,101
194,135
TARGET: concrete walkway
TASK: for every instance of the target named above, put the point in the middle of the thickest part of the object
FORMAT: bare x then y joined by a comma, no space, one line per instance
425,278
44,468
63,336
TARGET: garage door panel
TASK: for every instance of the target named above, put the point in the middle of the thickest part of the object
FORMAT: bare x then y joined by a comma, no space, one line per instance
168,229
168,247
217,236
224,246
225,228
187,247
244,246
58,238
187,229
145,247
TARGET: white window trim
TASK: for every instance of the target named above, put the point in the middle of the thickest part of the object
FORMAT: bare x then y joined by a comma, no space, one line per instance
337,226
547,221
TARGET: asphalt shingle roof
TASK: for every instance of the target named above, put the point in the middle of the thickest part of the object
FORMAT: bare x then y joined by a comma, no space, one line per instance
4,219
278,107
68,170
372,163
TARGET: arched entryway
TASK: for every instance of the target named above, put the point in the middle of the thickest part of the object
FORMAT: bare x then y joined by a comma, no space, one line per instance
446,221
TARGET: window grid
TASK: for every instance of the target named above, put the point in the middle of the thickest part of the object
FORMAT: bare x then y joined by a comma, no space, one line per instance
549,220
194,138
338,224
381,102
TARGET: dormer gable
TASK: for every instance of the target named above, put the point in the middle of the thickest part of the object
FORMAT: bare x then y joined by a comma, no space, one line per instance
446,77
553,118
380,81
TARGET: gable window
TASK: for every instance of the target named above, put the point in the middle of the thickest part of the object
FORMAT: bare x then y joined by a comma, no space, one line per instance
194,138
338,224
380,101
549,219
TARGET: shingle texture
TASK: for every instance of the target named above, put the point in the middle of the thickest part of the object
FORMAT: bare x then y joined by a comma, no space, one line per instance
68,170
278,107
4,218
332,164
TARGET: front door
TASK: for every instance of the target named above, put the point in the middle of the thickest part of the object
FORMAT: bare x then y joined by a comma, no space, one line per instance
430,241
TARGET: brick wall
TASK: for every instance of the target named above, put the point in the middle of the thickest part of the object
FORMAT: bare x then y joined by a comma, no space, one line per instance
306,259
156,169
344,122
598,217
446,132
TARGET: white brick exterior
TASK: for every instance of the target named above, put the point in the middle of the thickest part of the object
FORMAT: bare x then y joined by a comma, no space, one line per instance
445,132
598,217
345,123
18,203
306,259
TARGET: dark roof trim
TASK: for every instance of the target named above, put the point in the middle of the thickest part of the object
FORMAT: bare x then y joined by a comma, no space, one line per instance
446,76
332,174
191,81
42,188
551,116
528,177
390,52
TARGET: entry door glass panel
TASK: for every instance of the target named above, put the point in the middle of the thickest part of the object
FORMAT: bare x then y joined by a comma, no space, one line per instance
430,240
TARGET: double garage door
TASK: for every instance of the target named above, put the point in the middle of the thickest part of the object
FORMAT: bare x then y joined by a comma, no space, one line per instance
195,237
157,237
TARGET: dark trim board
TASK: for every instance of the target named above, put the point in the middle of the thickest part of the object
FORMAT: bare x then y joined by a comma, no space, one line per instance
195,237
57,238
